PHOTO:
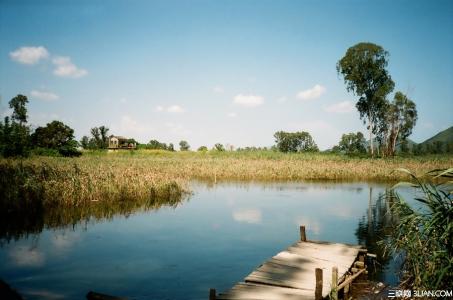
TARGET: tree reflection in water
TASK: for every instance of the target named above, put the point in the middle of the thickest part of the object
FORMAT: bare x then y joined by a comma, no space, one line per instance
377,223
16,224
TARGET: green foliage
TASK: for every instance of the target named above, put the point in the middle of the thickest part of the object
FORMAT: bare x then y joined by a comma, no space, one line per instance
14,131
219,147
19,106
400,118
202,149
58,136
85,142
184,146
37,151
295,142
363,68
156,145
352,143
424,236
99,138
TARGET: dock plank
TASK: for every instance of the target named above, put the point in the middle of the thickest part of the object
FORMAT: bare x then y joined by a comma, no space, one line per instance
290,274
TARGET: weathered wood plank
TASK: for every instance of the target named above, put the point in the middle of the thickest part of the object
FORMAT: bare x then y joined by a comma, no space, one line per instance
291,273
249,291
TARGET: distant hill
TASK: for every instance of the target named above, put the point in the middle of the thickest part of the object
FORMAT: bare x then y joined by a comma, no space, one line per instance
443,136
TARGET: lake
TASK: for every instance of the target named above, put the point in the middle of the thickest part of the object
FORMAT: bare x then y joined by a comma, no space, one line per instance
212,239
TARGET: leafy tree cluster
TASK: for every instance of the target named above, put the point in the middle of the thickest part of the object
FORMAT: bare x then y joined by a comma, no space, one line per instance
219,147
56,136
351,144
184,146
295,142
253,148
16,140
99,138
14,131
156,145
364,70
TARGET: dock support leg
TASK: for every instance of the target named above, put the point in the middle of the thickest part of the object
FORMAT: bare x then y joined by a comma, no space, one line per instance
303,237
318,289
212,294
334,292
346,288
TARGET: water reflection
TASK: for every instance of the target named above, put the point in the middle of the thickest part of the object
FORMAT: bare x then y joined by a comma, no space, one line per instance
16,224
374,226
170,248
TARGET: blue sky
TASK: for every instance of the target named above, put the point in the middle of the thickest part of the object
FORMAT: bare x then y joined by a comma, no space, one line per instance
219,71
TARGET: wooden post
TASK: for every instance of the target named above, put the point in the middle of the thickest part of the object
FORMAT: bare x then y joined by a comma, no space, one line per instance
303,237
212,294
362,258
334,291
346,288
318,289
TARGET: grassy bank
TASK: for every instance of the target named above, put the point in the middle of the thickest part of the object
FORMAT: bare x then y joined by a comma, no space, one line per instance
145,174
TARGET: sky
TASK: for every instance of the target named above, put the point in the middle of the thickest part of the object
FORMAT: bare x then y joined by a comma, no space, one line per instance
231,72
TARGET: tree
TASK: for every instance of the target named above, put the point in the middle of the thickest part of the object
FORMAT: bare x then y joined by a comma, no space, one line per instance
219,147
14,131
171,147
85,142
156,145
401,119
100,139
54,135
364,71
202,149
184,146
18,104
58,136
294,141
352,143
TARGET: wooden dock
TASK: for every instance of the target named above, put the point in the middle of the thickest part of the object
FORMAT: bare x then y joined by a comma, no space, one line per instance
298,273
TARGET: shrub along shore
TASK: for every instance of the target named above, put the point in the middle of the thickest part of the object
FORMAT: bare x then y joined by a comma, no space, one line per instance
146,174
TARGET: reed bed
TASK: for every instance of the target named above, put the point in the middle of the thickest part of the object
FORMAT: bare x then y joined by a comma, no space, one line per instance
269,165
141,175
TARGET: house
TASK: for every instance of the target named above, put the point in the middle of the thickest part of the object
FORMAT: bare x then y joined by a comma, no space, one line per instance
121,142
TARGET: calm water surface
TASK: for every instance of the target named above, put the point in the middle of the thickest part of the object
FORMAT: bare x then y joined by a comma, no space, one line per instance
211,240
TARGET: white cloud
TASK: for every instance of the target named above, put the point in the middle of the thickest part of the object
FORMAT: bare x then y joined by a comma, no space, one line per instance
29,55
170,109
65,68
313,93
42,95
252,216
175,109
232,115
218,89
340,107
248,100
26,257
282,99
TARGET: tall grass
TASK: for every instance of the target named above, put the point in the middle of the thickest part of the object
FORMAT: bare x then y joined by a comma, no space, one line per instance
424,236
144,174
